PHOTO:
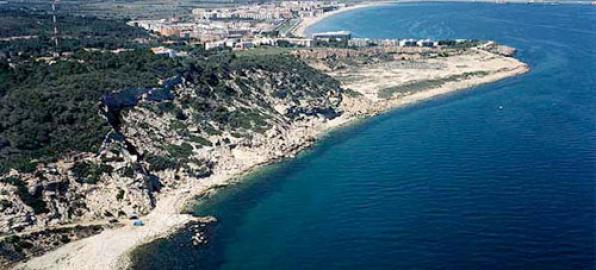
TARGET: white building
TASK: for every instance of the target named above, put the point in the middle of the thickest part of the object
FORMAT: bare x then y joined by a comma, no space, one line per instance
408,43
425,43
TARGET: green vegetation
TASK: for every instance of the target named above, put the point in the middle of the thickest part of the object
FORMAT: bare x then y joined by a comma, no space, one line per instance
120,195
209,129
200,140
416,86
178,156
309,82
5,204
223,78
161,163
166,107
90,173
18,243
128,172
17,247
35,200
260,51
247,119
179,151
178,125
352,93
34,32
47,110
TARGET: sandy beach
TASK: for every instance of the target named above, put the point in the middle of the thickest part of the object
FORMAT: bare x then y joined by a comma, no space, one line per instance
111,248
308,21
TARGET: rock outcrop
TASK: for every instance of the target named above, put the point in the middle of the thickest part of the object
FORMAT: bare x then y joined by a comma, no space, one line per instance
158,144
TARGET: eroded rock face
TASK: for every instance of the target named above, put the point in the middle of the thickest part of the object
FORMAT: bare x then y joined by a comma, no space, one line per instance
18,247
78,189
157,146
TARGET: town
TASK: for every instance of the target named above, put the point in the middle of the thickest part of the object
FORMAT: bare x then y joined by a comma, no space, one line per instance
270,25
243,25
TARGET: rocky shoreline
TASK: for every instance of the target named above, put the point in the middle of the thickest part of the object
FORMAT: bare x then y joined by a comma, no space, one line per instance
166,219
224,157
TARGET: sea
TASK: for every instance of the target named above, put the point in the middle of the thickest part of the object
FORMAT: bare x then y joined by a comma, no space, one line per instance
501,176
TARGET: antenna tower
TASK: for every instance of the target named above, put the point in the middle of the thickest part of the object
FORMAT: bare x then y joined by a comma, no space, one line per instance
55,37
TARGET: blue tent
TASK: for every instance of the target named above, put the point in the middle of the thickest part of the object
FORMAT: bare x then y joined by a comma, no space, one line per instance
138,222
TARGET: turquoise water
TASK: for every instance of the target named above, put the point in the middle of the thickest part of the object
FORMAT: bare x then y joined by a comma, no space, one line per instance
453,183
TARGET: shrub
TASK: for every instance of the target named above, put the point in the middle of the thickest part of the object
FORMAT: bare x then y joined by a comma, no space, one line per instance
160,163
35,201
128,172
180,151
89,173
200,140
120,195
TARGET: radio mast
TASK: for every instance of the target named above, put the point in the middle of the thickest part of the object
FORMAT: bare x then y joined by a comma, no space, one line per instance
55,37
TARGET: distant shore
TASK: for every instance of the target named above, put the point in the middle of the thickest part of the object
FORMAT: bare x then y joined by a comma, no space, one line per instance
309,21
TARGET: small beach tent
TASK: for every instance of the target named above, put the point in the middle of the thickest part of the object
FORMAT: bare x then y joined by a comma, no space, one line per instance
137,222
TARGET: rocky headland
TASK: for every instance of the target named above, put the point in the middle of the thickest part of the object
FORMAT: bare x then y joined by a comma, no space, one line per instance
202,129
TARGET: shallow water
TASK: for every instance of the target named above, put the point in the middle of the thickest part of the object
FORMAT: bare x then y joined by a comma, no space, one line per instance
453,183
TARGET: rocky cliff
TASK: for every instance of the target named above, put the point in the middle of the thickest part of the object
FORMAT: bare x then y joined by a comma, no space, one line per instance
162,137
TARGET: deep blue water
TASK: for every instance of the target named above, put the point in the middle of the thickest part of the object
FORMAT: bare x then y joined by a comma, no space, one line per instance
453,183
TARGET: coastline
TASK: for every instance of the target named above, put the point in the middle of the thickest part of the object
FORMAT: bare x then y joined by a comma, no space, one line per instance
307,22
111,249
